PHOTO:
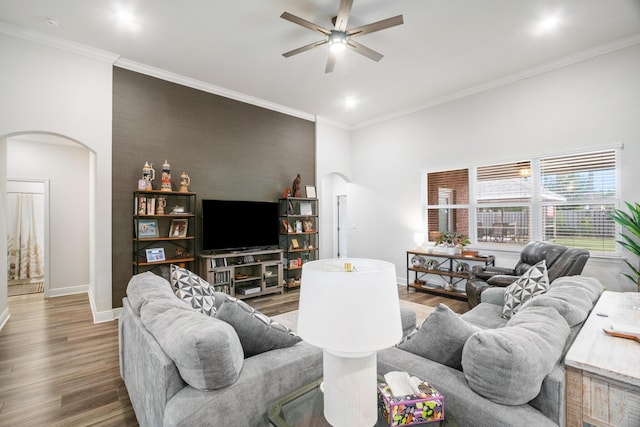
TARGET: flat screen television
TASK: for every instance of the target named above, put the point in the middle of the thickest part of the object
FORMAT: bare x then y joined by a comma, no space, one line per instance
238,225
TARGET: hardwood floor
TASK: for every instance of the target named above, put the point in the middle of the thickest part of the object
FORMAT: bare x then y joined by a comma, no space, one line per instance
58,368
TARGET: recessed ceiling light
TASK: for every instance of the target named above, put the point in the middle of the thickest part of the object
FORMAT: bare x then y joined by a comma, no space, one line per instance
126,18
350,102
52,21
547,24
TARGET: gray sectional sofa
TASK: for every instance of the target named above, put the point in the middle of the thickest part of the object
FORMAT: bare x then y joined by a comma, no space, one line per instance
498,372
209,382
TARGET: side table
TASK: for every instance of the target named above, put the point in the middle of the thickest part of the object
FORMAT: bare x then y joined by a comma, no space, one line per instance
603,372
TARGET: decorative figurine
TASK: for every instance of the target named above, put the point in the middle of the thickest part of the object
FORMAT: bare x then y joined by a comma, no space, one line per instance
185,181
296,190
166,176
148,175
162,203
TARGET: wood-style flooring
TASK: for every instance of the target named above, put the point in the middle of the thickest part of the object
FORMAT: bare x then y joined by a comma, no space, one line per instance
58,368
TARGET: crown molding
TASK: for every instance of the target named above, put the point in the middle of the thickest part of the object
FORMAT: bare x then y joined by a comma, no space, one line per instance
117,60
574,58
58,43
206,87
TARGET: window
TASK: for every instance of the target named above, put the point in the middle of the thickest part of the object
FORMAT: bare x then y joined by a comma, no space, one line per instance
559,199
584,191
448,202
503,202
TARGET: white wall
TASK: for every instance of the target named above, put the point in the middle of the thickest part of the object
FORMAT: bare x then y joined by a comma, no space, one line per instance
4,310
592,104
333,172
56,91
67,169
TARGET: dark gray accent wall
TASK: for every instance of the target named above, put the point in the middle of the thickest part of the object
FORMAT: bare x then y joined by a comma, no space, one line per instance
230,149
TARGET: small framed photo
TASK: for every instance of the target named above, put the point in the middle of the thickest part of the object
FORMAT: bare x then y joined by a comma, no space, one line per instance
178,228
311,191
147,228
307,225
295,244
155,254
286,226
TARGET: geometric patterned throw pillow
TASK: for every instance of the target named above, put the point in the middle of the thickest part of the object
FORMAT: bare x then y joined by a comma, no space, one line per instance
192,289
534,282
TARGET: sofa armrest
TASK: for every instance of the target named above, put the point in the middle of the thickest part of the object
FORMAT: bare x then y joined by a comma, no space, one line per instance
502,280
485,272
493,295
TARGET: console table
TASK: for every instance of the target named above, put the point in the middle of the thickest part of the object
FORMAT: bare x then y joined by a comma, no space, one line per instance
426,264
603,372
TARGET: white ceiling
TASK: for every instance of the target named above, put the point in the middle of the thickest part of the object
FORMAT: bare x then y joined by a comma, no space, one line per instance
445,47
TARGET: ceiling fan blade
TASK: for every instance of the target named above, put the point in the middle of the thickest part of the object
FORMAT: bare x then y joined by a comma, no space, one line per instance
343,15
304,48
376,26
365,51
304,23
331,62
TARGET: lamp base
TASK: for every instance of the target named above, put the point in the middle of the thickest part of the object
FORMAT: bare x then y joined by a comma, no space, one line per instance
350,396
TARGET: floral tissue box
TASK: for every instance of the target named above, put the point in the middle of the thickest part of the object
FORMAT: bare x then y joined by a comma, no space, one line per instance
426,407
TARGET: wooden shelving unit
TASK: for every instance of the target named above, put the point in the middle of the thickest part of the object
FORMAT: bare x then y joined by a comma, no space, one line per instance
244,274
298,236
428,265
178,250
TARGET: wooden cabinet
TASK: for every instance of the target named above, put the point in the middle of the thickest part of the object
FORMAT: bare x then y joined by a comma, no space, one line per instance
298,236
602,371
244,274
441,273
164,229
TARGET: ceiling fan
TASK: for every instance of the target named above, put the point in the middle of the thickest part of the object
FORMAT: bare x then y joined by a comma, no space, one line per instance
340,38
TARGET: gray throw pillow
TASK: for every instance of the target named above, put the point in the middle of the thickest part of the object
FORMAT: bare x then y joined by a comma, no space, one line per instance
534,281
206,351
507,365
194,290
145,287
573,303
257,332
441,337
590,285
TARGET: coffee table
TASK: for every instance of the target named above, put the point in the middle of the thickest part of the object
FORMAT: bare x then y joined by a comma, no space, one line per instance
305,407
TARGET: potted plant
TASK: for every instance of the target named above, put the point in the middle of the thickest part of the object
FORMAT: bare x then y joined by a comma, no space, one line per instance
631,223
453,240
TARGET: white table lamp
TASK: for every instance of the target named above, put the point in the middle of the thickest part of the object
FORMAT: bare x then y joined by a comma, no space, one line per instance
350,315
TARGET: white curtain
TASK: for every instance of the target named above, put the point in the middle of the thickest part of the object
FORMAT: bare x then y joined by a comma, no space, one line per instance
24,238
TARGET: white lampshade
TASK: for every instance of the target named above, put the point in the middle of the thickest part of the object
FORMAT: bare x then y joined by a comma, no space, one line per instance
418,238
350,315
350,312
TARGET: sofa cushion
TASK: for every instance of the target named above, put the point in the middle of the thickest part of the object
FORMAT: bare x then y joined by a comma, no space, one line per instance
508,365
573,303
534,282
257,332
206,351
147,286
590,284
192,289
440,338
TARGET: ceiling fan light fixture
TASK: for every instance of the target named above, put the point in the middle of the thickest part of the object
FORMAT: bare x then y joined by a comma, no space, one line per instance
337,41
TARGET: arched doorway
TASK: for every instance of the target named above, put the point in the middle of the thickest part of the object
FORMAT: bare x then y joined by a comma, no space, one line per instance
66,166
334,213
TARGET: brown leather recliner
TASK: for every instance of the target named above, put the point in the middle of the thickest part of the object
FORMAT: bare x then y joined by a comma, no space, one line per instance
560,261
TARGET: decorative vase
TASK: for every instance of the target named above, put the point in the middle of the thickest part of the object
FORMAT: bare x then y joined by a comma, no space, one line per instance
166,177
185,181
148,175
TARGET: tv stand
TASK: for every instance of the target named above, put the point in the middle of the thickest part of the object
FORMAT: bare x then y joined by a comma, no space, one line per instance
244,274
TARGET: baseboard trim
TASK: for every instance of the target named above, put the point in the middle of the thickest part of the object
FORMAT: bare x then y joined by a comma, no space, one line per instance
71,290
4,317
102,316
